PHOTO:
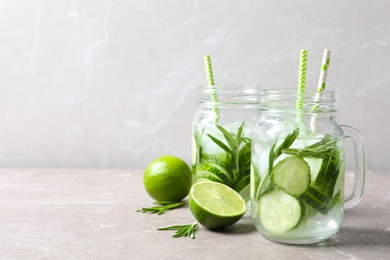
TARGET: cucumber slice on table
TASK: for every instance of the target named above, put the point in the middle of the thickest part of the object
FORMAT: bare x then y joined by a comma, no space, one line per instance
292,175
279,211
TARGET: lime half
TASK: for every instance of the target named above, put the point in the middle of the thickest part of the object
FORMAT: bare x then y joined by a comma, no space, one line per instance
215,205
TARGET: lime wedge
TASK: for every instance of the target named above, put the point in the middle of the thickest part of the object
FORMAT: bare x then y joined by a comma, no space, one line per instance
215,205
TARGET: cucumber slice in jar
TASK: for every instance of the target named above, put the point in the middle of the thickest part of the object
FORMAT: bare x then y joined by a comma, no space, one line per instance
279,211
214,171
292,175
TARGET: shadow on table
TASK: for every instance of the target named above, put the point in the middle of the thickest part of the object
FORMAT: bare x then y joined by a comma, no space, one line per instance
244,226
357,237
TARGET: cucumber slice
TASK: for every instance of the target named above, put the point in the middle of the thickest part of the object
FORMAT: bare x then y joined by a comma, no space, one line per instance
316,204
242,184
214,171
320,202
279,211
207,176
330,168
292,175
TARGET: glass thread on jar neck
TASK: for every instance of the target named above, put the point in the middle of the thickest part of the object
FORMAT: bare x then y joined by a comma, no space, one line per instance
229,95
284,101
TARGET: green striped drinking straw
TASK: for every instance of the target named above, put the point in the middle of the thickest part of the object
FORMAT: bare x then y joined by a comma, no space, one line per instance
210,80
321,86
301,82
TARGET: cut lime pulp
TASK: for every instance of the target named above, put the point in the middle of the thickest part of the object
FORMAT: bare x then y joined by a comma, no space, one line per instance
215,205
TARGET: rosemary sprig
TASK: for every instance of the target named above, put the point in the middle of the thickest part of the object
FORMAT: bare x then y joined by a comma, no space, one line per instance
319,150
198,138
274,153
236,148
183,230
164,205
290,138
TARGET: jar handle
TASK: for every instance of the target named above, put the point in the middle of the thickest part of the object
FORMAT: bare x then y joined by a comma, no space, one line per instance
360,166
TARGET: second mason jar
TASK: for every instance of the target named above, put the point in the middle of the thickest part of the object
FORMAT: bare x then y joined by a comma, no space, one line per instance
297,177
222,129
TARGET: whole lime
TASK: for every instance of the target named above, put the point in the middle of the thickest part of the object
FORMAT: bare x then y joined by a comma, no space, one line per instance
168,178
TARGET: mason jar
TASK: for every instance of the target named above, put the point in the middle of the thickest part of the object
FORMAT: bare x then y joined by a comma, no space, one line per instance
297,173
221,133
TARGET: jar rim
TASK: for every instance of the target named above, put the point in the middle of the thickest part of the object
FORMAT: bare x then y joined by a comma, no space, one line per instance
229,94
287,100
289,92
230,87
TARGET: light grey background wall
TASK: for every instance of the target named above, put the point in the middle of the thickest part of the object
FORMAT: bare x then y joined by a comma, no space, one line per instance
104,83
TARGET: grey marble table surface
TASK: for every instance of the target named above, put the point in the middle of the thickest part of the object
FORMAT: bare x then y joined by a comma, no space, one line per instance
91,214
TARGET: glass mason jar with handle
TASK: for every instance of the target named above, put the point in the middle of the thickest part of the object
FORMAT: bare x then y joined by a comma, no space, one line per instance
297,167
222,129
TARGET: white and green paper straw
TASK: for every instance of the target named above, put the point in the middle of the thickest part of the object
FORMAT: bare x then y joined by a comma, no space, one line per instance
321,86
210,80
302,79
323,75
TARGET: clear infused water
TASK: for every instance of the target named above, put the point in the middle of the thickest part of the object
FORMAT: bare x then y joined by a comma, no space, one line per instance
223,155
312,216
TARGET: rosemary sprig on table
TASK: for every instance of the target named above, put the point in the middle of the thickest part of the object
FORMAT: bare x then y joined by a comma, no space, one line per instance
164,205
183,230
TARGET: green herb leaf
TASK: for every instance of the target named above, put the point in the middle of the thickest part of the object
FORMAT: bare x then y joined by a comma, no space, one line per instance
327,141
198,138
165,202
319,150
238,147
220,144
271,158
183,230
288,141
274,154
229,137
267,184
307,153
165,205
